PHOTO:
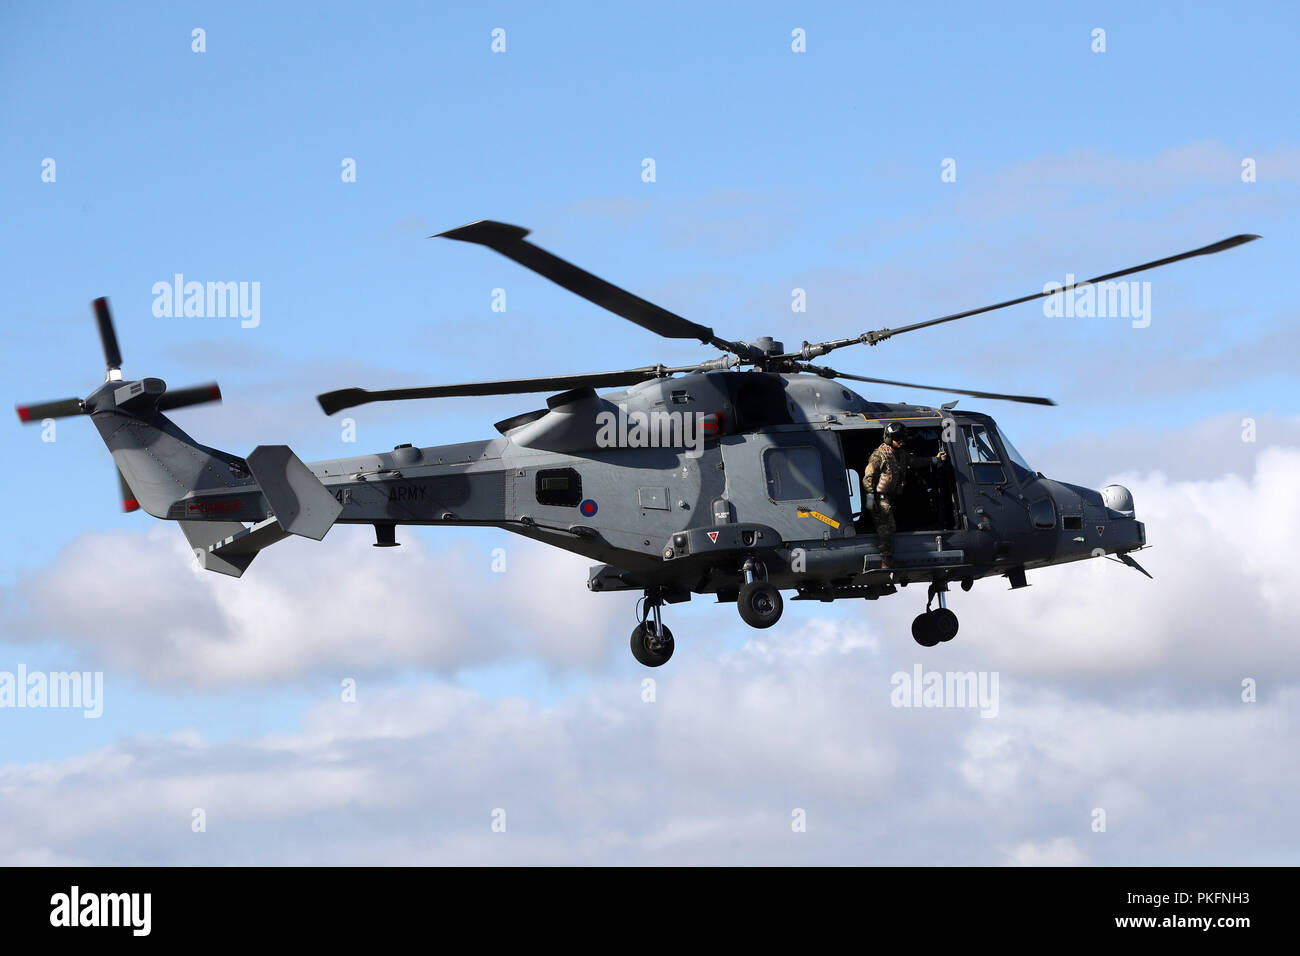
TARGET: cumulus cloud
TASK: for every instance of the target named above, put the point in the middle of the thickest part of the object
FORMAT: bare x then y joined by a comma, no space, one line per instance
729,755
137,602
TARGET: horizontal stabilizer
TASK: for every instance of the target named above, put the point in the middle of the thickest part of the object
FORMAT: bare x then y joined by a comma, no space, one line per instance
300,503
234,547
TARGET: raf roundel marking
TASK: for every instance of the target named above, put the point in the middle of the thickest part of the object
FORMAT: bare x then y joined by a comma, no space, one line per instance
588,508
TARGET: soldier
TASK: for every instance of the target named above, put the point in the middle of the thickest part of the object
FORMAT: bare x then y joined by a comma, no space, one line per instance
883,481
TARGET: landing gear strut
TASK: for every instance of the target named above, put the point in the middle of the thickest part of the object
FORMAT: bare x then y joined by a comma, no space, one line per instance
759,603
652,642
937,626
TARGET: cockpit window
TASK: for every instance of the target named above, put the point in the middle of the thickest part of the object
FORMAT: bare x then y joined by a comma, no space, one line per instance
1018,464
985,464
978,445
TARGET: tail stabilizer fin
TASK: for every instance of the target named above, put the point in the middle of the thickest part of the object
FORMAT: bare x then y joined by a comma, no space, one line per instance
300,503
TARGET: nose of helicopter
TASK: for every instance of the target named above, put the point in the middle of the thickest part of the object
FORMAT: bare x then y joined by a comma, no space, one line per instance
1124,532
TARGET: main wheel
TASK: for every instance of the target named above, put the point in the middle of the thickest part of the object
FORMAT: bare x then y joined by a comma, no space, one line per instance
650,649
760,604
924,631
944,623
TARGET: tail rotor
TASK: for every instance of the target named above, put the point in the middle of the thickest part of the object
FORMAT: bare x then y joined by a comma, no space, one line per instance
139,398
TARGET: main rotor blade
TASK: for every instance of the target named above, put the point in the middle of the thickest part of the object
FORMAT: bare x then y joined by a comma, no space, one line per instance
342,398
30,414
873,337
107,336
190,395
1028,399
509,241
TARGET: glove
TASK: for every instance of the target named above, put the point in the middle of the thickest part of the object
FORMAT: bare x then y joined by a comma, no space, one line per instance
943,455
870,501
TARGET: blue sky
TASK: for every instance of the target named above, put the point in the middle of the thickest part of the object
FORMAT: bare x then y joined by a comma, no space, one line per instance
774,170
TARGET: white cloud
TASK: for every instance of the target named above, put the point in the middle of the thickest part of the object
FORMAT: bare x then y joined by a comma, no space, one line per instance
710,773
1059,852
137,602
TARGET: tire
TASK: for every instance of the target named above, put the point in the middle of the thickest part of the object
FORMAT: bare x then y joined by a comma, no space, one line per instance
760,604
944,623
647,655
924,631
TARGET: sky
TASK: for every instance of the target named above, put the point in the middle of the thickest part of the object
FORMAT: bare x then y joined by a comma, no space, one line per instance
129,157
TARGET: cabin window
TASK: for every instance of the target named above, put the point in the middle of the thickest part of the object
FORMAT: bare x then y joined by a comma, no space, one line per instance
985,464
794,473
1072,522
559,486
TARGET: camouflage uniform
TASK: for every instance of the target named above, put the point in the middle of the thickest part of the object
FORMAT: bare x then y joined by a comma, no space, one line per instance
885,476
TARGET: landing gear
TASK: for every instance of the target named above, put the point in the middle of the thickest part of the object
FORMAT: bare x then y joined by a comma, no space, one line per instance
759,603
651,648
937,626
652,641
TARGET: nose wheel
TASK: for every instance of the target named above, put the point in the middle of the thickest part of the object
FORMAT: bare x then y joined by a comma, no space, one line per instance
937,626
652,641
759,603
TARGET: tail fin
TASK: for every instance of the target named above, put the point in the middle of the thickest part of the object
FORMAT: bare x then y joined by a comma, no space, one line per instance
170,475
165,469
212,493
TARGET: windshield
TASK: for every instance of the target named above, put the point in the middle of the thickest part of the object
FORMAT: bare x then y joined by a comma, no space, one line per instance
1018,463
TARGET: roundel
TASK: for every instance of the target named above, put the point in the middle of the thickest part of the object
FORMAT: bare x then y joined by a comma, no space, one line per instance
588,508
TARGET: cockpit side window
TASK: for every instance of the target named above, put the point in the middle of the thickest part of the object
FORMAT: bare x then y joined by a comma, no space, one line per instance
985,463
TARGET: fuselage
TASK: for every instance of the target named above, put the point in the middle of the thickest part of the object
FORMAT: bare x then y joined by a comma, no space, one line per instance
669,481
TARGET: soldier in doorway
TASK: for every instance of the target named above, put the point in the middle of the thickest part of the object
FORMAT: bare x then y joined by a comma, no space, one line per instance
883,481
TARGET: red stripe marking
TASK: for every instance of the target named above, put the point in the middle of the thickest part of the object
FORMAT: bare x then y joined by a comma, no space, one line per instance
23,414
130,504
214,393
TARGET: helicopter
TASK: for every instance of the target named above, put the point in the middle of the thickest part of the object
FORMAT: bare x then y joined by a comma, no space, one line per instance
738,477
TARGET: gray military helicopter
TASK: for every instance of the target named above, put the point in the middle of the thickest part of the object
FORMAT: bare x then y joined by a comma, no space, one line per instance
738,477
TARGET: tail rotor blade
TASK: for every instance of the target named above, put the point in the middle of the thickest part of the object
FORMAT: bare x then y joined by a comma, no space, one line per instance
107,336
128,496
192,395
30,414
